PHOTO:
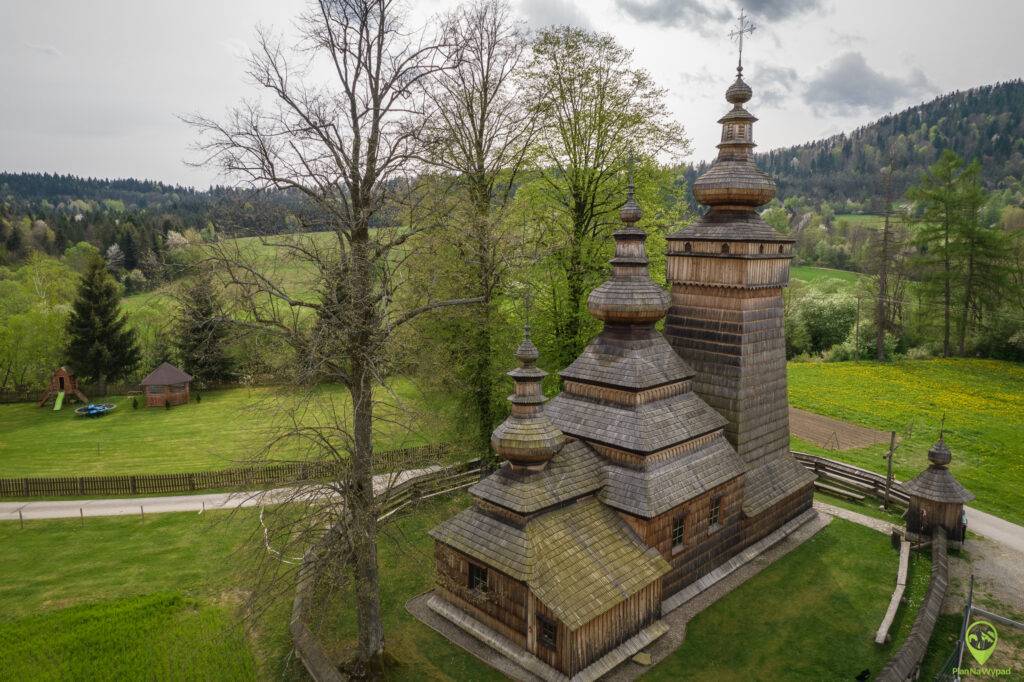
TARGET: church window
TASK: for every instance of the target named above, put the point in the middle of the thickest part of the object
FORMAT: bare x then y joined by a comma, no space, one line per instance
716,512
548,633
477,578
687,247
678,531
725,248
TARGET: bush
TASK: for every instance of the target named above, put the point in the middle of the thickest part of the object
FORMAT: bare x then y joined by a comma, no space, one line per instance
827,319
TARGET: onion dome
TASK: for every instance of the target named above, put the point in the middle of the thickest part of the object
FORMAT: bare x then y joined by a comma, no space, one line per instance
630,296
734,181
937,483
527,438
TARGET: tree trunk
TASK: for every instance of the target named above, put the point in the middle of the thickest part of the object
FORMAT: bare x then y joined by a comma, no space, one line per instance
946,293
483,381
574,293
968,294
362,350
880,312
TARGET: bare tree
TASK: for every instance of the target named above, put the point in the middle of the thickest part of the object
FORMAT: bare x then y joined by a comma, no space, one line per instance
478,132
339,129
597,111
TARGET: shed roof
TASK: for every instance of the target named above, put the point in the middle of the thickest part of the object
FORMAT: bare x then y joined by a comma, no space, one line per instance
937,484
166,373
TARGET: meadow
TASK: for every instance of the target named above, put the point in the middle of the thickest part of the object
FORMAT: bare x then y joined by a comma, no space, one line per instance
983,405
813,276
225,428
860,219
811,615
130,598
78,588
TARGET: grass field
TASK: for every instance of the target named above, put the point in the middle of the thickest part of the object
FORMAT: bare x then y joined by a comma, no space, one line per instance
814,276
225,429
159,636
809,616
983,401
861,219
78,589
126,598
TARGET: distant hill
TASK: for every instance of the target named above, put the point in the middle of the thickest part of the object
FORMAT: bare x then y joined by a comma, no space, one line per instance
986,123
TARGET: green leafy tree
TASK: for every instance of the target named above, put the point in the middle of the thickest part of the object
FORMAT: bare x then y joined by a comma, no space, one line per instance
595,112
101,345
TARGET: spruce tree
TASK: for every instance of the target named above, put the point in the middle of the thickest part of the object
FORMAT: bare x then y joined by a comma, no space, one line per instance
202,333
101,346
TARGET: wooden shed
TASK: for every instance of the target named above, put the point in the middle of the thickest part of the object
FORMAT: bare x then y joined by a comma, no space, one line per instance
166,385
937,499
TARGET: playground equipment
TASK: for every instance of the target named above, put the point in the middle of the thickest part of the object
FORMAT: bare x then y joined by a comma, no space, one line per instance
62,383
95,410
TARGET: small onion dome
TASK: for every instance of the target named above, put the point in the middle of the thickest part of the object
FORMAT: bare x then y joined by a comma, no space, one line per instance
739,92
940,454
630,296
734,183
527,438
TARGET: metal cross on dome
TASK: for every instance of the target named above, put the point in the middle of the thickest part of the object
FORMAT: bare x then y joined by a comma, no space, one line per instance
745,27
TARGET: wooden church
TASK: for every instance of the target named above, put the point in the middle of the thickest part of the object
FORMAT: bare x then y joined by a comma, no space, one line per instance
664,456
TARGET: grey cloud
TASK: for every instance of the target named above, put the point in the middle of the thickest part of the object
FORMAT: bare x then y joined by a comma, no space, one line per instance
553,12
773,84
701,15
45,49
848,85
673,12
777,10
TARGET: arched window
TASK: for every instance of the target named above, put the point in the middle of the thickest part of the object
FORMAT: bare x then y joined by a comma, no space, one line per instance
782,248
725,248
687,247
760,249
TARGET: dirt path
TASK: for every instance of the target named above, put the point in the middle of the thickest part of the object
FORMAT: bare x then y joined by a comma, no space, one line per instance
831,433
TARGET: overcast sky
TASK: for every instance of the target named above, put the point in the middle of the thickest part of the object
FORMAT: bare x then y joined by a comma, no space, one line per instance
95,88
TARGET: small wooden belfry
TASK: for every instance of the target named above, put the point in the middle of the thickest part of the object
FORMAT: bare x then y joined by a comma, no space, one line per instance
166,385
62,381
937,499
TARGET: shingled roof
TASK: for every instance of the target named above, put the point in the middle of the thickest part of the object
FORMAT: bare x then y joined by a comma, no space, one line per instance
575,471
643,428
166,374
643,360
936,483
580,560
655,490
773,481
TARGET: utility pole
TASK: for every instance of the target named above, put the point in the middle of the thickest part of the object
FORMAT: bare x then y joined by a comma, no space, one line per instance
888,468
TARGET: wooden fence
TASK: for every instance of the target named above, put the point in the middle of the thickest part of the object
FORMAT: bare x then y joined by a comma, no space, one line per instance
853,478
309,649
241,477
905,663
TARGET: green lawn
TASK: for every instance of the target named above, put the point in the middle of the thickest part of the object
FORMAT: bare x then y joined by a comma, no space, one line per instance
159,636
225,429
860,219
983,401
127,598
88,596
811,615
812,275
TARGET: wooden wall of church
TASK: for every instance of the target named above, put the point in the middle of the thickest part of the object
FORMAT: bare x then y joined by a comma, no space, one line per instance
502,607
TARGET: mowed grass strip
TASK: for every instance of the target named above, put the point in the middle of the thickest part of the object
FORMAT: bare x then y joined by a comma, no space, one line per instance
190,571
813,276
227,428
811,615
165,637
982,400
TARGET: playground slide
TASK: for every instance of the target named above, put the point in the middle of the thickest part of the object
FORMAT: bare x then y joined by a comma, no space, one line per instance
58,401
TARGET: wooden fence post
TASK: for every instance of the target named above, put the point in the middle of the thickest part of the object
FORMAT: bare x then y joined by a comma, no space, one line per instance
132,485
